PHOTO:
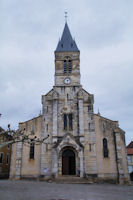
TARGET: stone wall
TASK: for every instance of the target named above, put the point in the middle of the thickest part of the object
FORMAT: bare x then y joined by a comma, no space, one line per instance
22,166
109,168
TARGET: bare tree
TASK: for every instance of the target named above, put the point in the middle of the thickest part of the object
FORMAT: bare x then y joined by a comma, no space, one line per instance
18,136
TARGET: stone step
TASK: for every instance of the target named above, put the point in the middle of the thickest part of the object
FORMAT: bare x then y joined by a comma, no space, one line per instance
72,180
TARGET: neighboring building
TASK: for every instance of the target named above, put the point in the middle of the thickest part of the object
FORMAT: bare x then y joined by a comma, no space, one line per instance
80,142
130,159
5,155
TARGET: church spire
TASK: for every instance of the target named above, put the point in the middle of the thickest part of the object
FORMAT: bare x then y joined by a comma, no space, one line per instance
66,44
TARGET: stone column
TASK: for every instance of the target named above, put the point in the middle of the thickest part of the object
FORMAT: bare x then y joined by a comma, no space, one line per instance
81,117
42,159
54,163
81,163
122,175
44,168
18,160
81,120
43,147
55,117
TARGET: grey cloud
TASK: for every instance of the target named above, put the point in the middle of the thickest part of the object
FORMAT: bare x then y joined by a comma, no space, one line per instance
29,34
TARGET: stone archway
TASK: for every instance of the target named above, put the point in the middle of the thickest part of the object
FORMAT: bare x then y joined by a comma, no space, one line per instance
69,142
68,162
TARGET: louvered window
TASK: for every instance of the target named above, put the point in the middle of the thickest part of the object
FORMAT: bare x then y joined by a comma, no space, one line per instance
70,66
67,65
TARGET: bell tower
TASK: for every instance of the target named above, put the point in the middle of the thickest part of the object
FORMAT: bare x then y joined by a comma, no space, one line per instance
67,61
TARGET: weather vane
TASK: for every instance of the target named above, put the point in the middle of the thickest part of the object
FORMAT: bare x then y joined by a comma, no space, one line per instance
66,16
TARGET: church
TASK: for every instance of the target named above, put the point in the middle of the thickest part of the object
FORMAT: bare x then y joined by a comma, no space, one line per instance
80,143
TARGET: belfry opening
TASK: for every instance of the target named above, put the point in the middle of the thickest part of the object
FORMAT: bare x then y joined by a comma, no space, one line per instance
68,162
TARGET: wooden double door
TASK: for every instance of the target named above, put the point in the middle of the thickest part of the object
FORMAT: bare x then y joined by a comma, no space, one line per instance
68,162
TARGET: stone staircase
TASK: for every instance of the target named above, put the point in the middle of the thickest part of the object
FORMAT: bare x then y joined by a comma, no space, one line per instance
72,180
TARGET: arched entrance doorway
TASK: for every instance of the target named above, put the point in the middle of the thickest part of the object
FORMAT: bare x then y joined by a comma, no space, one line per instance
68,162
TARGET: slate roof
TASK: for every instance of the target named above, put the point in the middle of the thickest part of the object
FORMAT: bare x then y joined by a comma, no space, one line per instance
67,43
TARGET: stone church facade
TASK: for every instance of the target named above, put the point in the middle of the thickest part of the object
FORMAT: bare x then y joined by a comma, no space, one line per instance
80,143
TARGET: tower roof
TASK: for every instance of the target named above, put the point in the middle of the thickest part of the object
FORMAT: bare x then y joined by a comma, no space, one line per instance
66,43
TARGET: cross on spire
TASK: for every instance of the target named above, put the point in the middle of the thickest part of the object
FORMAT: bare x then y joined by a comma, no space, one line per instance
66,16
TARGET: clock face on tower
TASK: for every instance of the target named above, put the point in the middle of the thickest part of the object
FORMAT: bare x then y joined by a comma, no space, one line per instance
67,80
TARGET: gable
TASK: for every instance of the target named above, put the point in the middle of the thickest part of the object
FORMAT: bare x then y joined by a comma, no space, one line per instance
68,140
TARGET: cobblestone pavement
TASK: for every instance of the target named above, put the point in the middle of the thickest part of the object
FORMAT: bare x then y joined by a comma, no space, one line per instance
35,190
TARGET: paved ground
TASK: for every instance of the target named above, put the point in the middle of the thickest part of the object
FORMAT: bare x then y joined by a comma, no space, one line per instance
33,190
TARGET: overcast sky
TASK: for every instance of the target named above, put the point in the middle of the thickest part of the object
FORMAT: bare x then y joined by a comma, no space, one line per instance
29,33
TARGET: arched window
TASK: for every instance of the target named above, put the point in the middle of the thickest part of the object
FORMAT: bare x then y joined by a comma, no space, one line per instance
67,65
105,148
65,121
68,122
32,149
